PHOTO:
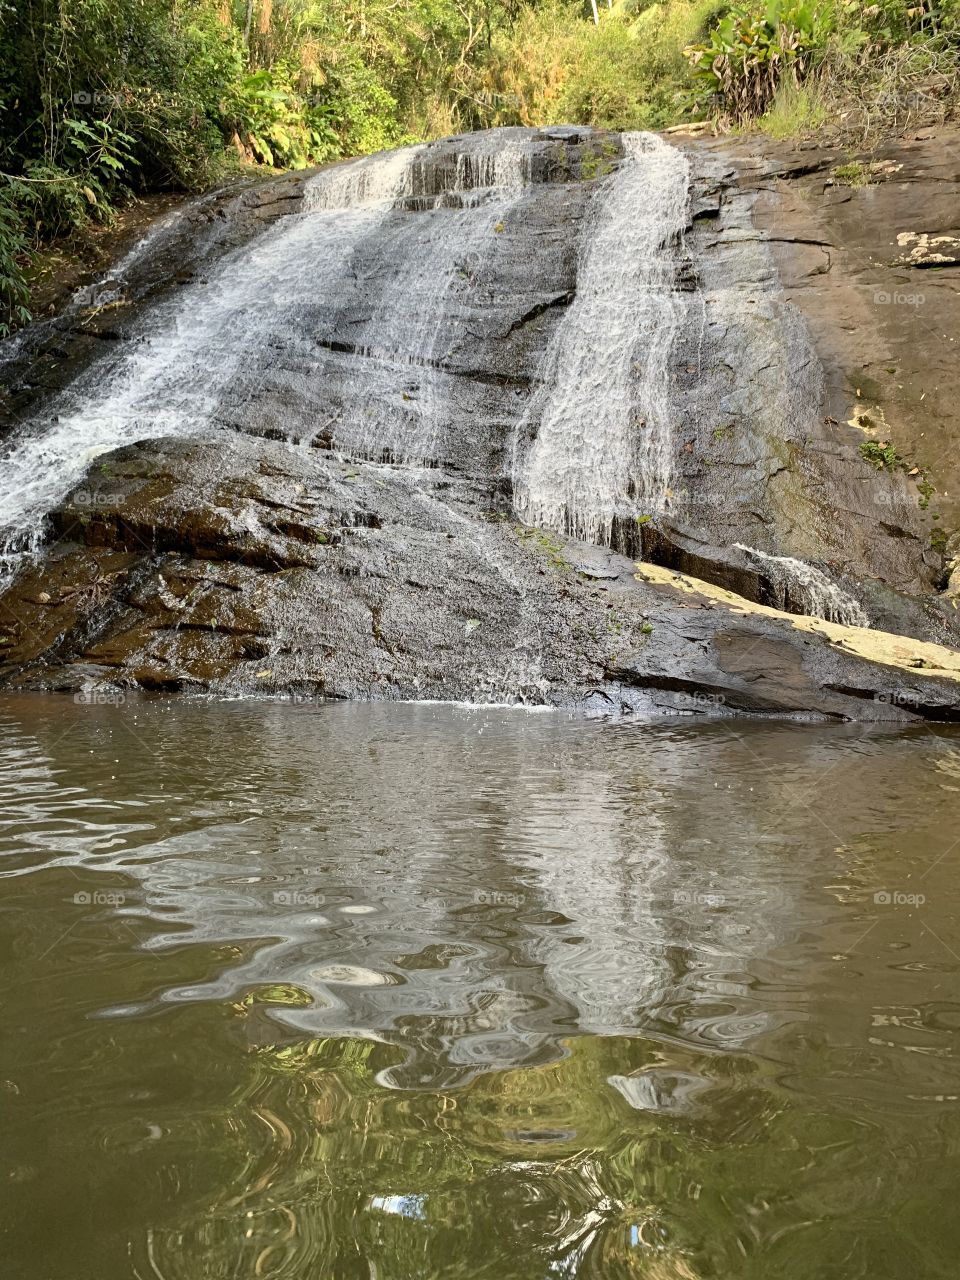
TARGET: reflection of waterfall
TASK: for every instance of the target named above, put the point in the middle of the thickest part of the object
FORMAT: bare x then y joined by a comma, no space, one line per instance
603,421
544,884
801,588
615,899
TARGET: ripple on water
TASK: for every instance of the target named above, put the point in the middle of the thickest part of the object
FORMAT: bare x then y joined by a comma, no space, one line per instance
417,989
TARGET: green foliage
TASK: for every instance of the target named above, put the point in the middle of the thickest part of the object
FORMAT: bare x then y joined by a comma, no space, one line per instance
751,52
101,99
854,174
14,293
796,110
787,62
788,65
626,72
606,87
272,118
880,453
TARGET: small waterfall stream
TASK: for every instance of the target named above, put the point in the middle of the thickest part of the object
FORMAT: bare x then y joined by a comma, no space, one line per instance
397,412
803,588
172,379
603,422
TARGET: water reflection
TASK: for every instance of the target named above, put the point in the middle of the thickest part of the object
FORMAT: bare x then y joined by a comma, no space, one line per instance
410,991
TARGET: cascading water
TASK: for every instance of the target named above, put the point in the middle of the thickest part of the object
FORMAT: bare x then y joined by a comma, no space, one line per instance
399,375
387,320
603,420
805,589
175,378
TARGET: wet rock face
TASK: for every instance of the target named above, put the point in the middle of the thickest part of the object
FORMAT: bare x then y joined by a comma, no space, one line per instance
767,388
246,567
313,539
46,357
252,567
868,263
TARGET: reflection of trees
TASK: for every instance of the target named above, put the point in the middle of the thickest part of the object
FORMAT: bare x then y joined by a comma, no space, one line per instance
467,1119
531,1173
523,1174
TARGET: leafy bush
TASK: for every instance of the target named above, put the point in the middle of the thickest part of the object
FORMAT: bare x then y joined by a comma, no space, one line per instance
607,81
626,72
271,119
750,54
13,286
841,57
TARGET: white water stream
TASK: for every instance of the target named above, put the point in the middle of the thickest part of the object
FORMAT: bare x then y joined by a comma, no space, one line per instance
171,380
596,440
604,428
807,589
399,373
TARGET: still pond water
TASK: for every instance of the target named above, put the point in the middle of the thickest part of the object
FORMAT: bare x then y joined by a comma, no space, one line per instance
390,992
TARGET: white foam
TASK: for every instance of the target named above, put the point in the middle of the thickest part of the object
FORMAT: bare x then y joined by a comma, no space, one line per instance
807,588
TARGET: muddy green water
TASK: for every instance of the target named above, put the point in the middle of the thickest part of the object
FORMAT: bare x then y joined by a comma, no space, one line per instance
395,992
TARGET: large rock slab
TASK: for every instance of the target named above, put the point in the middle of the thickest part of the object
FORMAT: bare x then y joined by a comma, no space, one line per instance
787,374
252,568
864,247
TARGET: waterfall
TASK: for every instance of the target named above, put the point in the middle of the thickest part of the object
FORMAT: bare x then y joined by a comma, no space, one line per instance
398,383
371,183
378,320
804,589
172,379
603,424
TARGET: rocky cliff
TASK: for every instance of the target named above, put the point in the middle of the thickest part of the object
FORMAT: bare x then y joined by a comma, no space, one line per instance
289,447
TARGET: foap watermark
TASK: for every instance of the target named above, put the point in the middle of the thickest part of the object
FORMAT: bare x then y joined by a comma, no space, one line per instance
96,498
699,898
95,98
99,698
900,698
886,298
99,295
890,498
297,898
98,898
896,898
700,701
913,100
502,101
497,898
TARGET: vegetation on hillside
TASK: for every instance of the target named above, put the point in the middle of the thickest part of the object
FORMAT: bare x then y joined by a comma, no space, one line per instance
101,98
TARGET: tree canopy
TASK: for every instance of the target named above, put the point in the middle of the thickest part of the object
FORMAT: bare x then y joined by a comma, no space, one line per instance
101,98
